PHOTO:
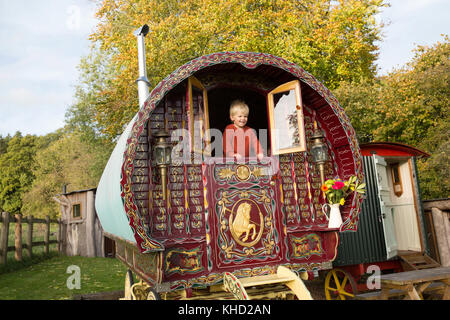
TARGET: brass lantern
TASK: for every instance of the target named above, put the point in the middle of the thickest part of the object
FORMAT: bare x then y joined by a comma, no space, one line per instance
319,151
162,153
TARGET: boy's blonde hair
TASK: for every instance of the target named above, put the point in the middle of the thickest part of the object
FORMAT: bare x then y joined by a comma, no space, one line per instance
238,105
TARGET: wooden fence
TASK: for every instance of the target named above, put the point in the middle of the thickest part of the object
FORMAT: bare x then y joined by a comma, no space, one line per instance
437,213
18,246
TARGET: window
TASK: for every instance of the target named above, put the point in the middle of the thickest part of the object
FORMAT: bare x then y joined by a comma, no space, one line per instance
198,116
76,211
396,179
287,132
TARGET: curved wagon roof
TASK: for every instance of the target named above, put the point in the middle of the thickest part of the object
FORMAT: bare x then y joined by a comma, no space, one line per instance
115,201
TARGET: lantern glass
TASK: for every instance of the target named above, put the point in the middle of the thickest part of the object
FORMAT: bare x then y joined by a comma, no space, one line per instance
159,155
162,149
319,152
168,155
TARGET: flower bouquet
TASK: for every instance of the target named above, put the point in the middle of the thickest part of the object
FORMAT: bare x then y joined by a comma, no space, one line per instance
336,191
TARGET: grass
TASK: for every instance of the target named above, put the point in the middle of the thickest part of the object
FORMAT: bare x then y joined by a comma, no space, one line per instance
47,279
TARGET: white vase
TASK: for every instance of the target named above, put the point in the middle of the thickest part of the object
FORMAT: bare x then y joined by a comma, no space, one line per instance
335,219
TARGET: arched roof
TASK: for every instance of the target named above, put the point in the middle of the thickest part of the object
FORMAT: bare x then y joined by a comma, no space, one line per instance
391,149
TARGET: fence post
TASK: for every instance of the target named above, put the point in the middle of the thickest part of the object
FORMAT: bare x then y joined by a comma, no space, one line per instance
18,237
63,237
30,236
58,235
4,238
47,235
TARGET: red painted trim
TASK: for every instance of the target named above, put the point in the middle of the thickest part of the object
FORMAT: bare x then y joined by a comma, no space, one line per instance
391,149
358,270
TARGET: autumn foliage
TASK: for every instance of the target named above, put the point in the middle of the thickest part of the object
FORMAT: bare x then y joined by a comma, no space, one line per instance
409,105
333,40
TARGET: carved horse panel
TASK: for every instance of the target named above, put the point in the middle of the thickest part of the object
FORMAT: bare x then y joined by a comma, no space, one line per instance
244,214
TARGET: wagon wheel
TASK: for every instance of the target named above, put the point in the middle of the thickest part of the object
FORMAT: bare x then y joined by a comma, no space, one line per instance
340,285
128,284
153,295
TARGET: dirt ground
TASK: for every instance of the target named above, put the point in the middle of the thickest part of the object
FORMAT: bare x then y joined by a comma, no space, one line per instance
317,288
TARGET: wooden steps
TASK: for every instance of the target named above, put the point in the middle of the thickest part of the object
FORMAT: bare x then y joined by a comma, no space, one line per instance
242,288
416,261
263,280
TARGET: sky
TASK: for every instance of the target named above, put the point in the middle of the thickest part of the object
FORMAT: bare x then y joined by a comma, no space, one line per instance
42,42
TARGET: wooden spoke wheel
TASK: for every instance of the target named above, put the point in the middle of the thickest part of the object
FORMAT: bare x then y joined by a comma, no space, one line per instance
340,285
128,284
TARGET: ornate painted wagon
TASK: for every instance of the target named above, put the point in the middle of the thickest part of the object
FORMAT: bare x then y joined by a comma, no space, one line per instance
184,217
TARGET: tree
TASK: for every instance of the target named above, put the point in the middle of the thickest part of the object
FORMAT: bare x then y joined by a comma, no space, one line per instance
16,175
334,40
4,143
66,161
409,105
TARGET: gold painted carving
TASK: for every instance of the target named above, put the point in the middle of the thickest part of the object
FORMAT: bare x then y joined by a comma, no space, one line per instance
233,285
241,223
184,261
139,291
306,246
241,172
226,173
243,230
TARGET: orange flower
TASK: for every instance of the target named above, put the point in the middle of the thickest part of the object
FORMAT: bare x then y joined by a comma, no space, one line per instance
324,188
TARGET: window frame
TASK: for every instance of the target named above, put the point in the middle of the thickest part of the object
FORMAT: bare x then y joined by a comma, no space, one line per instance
73,211
396,167
206,139
288,86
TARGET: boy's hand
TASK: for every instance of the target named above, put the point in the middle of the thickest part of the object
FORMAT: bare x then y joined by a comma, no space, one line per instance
260,156
237,156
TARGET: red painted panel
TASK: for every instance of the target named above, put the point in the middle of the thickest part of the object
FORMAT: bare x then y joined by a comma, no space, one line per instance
244,218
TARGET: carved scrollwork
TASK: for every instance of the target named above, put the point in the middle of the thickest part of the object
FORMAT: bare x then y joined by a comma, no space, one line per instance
139,291
242,172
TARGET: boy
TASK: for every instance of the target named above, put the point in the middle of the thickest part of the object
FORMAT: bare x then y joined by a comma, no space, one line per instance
238,139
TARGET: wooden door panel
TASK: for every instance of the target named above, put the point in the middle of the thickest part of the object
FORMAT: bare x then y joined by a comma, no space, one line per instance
243,213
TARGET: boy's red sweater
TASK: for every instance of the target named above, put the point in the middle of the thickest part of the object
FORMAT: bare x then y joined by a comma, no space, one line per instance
240,141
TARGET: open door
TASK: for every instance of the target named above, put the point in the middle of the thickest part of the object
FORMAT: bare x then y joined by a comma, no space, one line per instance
287,129
387,210
198,116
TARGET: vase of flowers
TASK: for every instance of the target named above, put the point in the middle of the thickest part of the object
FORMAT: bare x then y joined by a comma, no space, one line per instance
336,191
335,219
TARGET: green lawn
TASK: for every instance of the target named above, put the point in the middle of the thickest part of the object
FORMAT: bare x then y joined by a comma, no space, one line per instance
47,280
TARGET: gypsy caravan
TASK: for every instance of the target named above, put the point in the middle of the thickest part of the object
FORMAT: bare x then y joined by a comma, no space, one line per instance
189,221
